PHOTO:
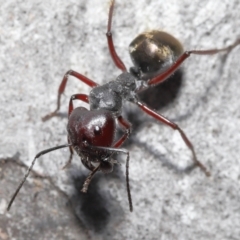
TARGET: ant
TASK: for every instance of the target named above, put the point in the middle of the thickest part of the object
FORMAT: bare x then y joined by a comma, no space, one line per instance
156,55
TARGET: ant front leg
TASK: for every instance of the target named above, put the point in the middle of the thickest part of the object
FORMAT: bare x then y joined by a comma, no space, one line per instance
81,97
89,179
163,76
174,126
62,86
118,62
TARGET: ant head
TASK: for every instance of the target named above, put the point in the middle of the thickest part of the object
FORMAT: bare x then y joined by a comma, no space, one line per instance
94,128
152,52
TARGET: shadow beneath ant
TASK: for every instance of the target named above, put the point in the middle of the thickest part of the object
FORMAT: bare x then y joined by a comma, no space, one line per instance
165,161
93,208
163,94
203,98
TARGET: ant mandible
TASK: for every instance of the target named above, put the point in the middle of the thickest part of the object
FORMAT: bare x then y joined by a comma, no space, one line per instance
156,55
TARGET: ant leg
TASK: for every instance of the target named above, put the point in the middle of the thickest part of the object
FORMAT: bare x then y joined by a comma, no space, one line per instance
79,96
175,127
127,126
62,86
84,98
118,62
163,76
30,168
88,179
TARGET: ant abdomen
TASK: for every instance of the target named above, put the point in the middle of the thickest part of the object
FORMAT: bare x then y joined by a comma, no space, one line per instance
152,52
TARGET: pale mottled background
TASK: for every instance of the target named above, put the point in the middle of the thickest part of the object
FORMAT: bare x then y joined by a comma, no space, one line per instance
39,42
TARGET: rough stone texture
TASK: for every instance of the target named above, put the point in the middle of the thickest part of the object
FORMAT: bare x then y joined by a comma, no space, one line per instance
40,41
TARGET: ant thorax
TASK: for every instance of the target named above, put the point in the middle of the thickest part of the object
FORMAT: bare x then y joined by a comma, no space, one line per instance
111,95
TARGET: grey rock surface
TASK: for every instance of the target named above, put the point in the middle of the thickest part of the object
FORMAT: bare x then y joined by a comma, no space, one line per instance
40,41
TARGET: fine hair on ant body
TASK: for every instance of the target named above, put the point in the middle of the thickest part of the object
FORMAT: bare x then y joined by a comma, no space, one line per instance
156,55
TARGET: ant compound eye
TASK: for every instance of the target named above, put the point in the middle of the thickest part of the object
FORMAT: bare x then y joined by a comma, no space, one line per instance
97,130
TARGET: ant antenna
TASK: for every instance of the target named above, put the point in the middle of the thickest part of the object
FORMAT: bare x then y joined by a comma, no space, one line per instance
30,168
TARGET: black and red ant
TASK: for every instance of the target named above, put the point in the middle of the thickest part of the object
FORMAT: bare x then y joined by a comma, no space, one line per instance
156,55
